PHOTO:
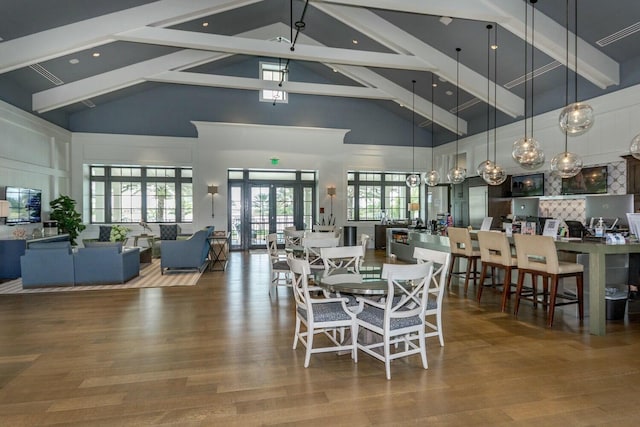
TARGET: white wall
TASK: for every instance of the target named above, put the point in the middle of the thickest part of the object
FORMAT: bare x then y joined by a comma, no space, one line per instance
34,154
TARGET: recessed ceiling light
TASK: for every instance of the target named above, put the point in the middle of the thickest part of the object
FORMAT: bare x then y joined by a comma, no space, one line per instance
96,54
74,61
435,85
335,71
449,93
445,20
494,46
205,24
354,41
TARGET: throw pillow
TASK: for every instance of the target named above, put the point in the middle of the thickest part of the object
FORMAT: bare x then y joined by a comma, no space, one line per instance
169,231
105,233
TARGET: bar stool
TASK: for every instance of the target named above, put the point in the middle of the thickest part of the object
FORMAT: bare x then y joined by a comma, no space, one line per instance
461,247
537,256
495,252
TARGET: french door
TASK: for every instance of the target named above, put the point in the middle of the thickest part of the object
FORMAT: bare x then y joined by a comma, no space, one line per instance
258,208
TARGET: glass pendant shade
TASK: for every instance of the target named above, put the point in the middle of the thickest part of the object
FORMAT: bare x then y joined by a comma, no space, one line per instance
576,118
457,175
495,176
528,153
432,178
635,147
413,180
485,166
566,164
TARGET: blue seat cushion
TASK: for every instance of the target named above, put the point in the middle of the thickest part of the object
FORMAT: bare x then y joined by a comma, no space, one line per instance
117,245
327,312
375,316
104,235
169,231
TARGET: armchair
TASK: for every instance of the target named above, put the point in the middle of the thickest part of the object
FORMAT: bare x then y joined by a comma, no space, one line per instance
106,264
185,254
47,264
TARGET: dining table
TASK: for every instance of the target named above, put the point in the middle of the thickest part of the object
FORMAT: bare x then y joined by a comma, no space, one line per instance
348,282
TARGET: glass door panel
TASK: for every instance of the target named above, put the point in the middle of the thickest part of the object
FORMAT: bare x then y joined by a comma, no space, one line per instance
235,215
260,215
284,211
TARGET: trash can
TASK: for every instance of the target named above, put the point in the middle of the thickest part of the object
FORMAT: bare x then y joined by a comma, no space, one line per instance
350,235
616,301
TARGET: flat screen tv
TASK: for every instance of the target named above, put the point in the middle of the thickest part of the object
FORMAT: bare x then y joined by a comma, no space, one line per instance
25,205
592,180
527,185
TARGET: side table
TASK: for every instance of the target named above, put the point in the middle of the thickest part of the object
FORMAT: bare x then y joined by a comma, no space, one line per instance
219,250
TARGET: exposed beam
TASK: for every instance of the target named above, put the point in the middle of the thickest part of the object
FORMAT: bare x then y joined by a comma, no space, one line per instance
89,33
382,31
247,46
245,83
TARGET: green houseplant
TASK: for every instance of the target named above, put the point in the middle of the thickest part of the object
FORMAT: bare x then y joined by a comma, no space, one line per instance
63,210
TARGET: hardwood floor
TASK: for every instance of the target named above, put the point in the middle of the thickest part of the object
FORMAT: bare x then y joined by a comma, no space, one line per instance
219,353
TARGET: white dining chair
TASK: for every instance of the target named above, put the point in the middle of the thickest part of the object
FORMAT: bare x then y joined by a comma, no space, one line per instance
342,257
437,286
312,248
399,318
326,316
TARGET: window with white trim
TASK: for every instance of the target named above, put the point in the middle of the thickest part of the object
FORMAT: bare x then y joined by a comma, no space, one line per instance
274,72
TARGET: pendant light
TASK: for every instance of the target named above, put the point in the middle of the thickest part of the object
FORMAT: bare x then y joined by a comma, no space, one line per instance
634,148
566,164
496,175
457,174
433,177
577,118
527,151
487,165
413,180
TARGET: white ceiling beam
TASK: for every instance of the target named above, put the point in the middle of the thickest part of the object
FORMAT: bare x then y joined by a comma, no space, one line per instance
245,83
593,65
89,33
384,32
247,46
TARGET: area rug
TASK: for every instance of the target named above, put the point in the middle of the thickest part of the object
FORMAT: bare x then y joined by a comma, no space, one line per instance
150,277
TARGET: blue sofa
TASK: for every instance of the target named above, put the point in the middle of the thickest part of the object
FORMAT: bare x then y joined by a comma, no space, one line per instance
186,254
47,264
105,263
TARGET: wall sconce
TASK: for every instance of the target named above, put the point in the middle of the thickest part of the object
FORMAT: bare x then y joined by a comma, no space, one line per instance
213,190
331,192
413,207
5,207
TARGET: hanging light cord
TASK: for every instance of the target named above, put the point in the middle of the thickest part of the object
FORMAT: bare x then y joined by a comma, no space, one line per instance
566,86
526,66
457,100
495,96
575,50
432,120
413,128
533,70
489,27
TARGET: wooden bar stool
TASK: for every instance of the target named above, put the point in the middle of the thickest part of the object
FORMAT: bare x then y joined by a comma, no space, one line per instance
495,252
461,247
537,256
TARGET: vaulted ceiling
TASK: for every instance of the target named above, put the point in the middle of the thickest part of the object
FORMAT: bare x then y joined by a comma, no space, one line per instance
360,49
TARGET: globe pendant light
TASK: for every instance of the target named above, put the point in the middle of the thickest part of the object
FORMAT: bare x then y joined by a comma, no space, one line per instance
527,151
496,175
457,174
577,118
413,180
433,177
487,165
635,147
566,164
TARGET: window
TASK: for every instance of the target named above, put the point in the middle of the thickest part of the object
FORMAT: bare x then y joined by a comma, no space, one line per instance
371,193
134,194
274,73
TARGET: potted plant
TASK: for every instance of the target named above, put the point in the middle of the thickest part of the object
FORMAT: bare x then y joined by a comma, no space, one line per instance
63,210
